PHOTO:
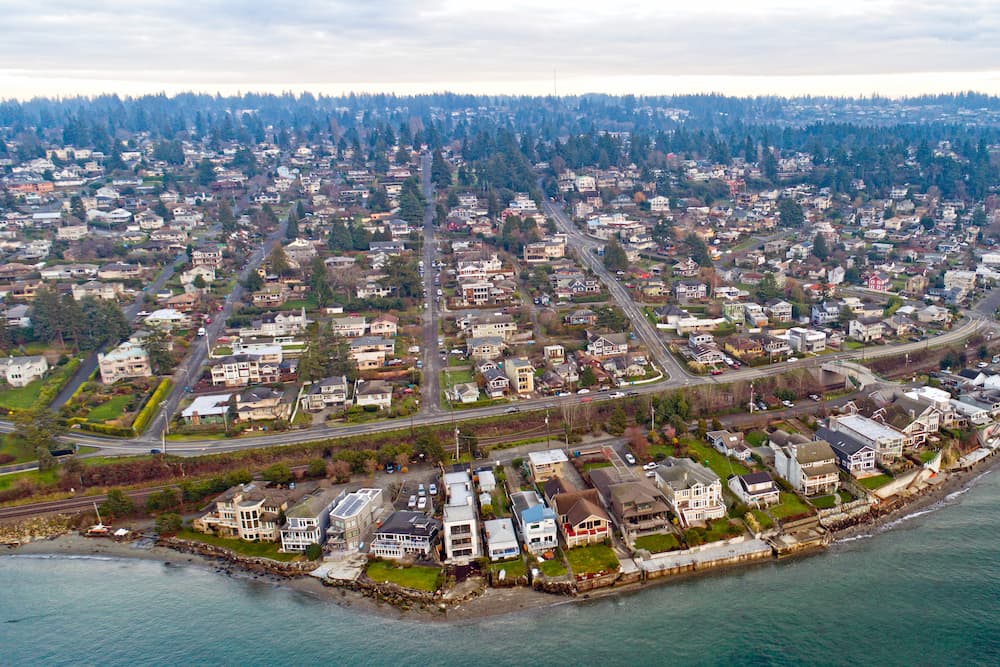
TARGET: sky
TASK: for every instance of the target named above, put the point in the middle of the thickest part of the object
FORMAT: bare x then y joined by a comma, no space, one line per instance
531,47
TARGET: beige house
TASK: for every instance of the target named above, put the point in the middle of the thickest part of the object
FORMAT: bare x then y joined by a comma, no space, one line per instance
546,465
521,374
809,467
128,360
693,492
247,512
264,404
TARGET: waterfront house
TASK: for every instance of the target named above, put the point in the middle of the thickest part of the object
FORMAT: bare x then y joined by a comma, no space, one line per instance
809,467
307,521
501,541
461,524
328,392
854,456
755,489
405,533
247,512
536,522
582,519
693,492
352,516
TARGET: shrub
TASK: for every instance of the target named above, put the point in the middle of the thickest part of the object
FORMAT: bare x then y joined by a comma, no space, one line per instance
150,407
314,551
168,523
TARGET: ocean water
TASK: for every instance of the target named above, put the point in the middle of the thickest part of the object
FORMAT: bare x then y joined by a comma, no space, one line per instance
924,592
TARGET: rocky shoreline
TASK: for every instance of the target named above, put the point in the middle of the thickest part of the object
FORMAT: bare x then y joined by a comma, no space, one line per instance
52,539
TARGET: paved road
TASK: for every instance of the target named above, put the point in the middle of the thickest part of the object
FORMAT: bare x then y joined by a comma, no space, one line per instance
430,387
643,329
187,372
90,363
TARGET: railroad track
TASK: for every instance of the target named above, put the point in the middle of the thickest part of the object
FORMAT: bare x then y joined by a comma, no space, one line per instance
70,505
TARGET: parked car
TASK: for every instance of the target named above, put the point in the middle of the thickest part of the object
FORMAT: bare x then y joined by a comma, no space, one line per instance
617,394
421,491
510,411
630,458
650,466
584,391
422,504
651,473
412,503
788,404
815,397
716,371
432,489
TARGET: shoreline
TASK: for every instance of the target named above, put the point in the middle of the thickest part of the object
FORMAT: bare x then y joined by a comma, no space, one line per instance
493,602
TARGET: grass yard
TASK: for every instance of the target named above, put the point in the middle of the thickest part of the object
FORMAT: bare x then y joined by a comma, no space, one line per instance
416,577
721,465
875,481
790,505
927,456
658,543
845,496
40,478
451,378
823,502
109,410
12,446
762,518
22,398
253,549
553,568
27,397
592,558
514,568
587,467
756,438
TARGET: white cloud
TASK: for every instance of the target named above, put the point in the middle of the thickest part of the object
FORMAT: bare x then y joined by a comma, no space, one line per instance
66,46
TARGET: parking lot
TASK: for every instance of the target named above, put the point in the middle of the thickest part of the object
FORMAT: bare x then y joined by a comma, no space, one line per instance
411,490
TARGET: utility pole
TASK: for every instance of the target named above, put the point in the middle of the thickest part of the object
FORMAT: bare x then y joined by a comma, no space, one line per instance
456,443
546,429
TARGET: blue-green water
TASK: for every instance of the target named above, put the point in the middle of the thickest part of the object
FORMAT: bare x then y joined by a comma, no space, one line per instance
925,592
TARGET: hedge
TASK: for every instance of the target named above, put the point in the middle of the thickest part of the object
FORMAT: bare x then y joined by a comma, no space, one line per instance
51,389
148,411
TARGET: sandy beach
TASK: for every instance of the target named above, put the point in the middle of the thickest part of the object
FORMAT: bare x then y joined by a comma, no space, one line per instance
494,601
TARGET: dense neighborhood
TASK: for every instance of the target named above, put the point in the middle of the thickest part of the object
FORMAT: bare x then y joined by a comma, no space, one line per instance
743,339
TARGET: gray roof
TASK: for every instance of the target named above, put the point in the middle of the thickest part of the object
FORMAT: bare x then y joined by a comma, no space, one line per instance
684,473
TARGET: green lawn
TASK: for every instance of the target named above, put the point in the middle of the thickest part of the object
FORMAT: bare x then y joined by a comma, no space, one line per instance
414,576
845,496
721,465
553,568
40,478
823,502
658,543
109,410
514,568
874,482
756,438
790,505
592,558
22,398
253,549
853,345
14,447
587,467
717,530
762,518
927,456
451,378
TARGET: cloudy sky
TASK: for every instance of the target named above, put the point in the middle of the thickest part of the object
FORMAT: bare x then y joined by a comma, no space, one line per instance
892,47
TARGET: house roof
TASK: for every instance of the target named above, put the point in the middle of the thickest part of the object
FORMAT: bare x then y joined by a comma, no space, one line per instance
684,473
813,452
841,443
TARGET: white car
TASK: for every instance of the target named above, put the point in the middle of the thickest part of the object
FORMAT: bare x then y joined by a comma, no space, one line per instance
791,359
432,489
584,391
788,404
617,394
412,503
651,473
650,466
630,458
422,503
